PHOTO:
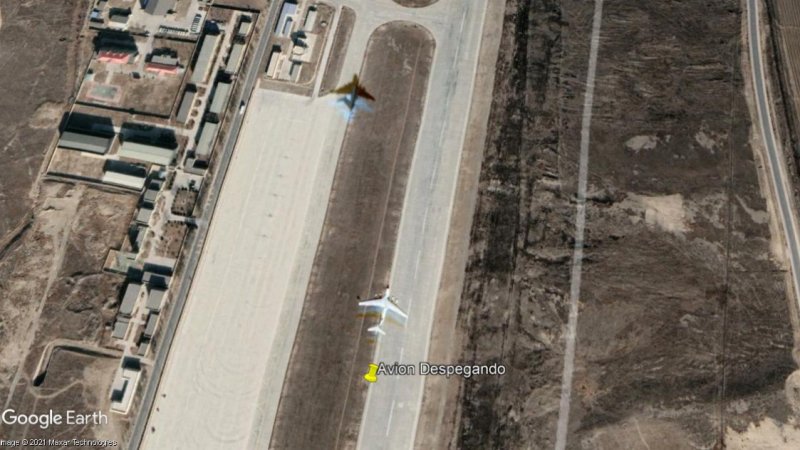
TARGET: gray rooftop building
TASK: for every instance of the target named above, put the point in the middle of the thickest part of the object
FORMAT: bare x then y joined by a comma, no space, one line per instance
120,328
159,7
137,234
85,142
143,215
155,299
205,58
186,106
166,60
155,280
119,19
221,95
235,58
147,153
149,197
144,345
129,299
152,322
206,141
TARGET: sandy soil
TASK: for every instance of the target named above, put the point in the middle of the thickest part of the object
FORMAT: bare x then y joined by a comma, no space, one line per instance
683,331
53,285
38,80
341,40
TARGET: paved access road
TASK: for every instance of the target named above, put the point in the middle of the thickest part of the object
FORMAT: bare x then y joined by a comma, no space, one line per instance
777,168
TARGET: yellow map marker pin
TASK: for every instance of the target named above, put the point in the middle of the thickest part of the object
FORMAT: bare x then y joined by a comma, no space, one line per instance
372,375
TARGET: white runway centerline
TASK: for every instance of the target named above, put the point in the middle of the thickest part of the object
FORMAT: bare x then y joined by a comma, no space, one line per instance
580,224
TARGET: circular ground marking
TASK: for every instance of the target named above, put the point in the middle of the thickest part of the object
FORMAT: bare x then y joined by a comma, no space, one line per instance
415,3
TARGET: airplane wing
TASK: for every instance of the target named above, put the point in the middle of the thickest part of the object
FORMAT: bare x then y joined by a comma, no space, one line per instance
346,89
396,309
361,92
376,330
377,303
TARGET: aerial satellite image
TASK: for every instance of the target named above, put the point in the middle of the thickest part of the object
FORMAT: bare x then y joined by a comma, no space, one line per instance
400,224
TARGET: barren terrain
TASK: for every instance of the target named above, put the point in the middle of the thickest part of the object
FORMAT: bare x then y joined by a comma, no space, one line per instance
341,40
683,336
37,81
53,287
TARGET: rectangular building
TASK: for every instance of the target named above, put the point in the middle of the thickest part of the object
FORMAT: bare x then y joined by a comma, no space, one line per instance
144,345
118,20
150,327
221,95
235,58
284,25
85,142
146,153
123,179
120,328
167,60
311,19
143,215
186,105
149,197
159,7
205,58
205,143
274,58
244,27
129,299
155,299
155,280
123,389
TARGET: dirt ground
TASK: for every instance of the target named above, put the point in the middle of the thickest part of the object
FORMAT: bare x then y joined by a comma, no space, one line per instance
356,250
341,41
37,81
53,286
75,387
684,333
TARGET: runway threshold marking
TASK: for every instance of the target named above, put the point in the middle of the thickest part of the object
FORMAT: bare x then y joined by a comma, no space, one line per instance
580,224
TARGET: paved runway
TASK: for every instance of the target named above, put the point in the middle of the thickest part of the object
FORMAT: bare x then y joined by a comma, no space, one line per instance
227,359
393,403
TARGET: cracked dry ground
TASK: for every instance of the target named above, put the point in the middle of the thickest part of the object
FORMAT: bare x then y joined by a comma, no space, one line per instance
681,288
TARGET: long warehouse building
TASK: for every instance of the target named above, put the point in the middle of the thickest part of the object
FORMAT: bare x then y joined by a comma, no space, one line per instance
147,153
221,95
205,58
206,141
85,142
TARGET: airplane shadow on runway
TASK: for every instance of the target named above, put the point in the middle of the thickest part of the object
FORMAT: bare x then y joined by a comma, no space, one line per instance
343,106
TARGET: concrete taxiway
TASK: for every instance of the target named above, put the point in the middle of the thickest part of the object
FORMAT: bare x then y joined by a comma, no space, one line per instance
238,327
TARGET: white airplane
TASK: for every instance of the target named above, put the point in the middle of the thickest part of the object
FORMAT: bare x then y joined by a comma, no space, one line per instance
386,304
